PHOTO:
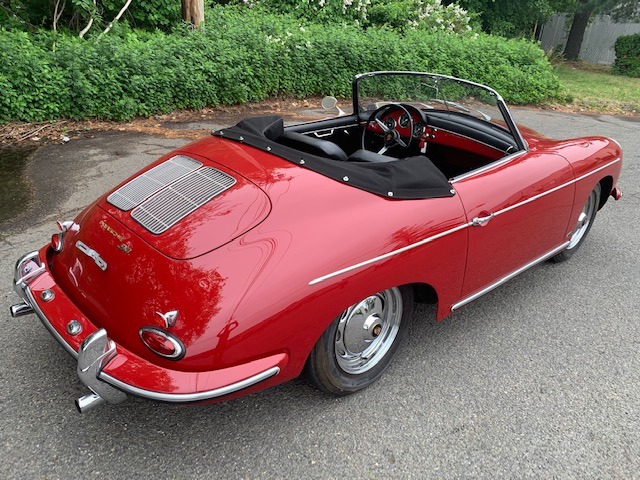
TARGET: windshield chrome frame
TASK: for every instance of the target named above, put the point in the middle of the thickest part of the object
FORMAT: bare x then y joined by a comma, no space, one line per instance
502,106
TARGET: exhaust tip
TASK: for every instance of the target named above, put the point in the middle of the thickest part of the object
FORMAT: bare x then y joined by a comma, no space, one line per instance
616,193
88,402
20,309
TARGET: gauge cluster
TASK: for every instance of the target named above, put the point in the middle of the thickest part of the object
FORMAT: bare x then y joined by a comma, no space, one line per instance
396,125
404,121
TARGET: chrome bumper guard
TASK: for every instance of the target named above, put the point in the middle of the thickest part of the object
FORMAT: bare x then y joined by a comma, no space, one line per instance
95,352
28,268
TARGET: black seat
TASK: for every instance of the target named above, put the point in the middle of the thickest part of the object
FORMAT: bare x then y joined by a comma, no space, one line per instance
312,145
369,157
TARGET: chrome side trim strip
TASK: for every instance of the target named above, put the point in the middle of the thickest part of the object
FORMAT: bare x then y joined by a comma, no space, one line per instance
497,163
554,189
190,397
509,276
582,177
389,255
460,227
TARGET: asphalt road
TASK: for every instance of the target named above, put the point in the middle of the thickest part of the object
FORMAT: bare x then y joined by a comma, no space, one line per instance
539,378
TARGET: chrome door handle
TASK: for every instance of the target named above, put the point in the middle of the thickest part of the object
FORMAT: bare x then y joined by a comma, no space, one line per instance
481,221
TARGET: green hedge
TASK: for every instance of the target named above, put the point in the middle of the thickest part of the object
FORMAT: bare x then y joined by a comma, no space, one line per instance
627,56
241,55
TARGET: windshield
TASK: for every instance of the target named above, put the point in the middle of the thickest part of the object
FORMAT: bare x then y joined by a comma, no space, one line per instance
432,92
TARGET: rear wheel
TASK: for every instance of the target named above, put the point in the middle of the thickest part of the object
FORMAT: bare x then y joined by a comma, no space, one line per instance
358,346
585,220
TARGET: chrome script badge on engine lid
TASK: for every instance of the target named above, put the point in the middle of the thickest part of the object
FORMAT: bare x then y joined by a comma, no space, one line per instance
121,238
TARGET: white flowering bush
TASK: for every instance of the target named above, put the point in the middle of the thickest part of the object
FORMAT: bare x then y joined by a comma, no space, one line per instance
401,15
429,15
322,11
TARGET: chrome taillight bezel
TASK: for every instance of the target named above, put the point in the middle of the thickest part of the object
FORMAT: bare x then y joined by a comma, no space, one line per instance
179,350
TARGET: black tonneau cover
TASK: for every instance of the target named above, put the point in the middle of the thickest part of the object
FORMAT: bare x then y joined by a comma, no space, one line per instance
406,178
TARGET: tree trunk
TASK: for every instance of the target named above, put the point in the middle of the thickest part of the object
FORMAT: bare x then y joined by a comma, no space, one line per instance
576,34
193,12
117,17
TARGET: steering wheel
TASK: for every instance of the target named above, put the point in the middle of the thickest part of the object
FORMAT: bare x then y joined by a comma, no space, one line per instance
383,119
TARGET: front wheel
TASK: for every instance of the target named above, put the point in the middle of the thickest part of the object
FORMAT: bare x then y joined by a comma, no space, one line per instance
358,346
585,220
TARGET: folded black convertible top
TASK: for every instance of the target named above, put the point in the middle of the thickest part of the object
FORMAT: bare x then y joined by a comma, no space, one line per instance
406,178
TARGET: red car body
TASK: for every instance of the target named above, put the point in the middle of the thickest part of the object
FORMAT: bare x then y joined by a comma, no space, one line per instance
258,273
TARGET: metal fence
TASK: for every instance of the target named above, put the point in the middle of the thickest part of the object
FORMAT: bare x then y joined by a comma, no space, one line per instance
599,38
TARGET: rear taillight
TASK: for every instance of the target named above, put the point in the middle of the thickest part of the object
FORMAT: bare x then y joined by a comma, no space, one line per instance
162,343
57,239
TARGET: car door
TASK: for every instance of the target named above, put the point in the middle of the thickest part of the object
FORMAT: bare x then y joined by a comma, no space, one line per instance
518,211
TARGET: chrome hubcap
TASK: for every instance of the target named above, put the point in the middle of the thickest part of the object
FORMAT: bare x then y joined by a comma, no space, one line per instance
367,330
584,220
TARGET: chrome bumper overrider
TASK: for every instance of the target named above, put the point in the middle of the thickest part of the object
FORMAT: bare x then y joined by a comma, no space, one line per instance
97,350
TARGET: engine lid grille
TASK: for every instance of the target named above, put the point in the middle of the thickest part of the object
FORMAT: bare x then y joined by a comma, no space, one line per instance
143,186
172,203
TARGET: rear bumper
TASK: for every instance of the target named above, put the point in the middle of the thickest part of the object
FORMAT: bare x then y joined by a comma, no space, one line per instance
109,370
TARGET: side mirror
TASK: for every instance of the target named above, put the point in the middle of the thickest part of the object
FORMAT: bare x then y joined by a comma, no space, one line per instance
329,103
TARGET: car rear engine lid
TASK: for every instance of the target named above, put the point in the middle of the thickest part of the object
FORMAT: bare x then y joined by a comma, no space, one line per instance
185,208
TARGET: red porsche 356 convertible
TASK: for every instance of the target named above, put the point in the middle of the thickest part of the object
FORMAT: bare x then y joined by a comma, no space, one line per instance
234,263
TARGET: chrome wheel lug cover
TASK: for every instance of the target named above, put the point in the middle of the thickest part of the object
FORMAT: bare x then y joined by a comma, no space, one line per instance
367,330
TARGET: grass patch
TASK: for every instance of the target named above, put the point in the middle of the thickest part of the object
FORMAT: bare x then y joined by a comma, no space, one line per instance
594,88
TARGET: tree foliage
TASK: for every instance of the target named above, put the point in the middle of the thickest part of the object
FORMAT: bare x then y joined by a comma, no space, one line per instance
513,18
32,14
583,11
243,55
